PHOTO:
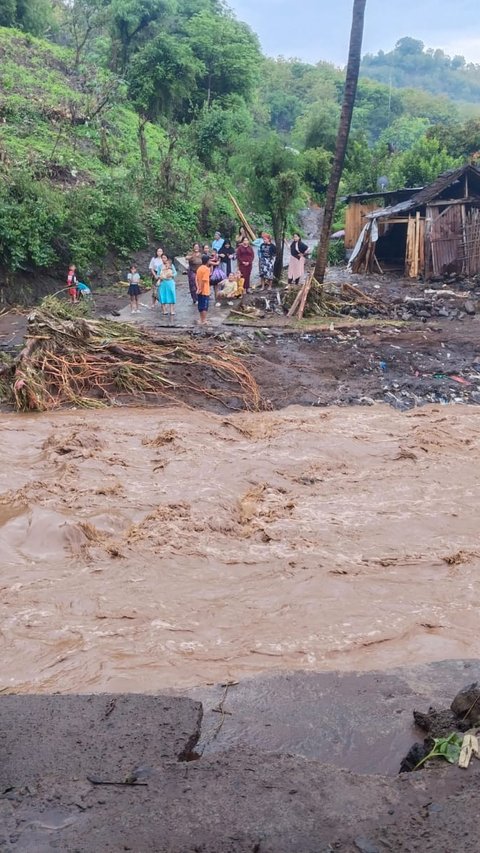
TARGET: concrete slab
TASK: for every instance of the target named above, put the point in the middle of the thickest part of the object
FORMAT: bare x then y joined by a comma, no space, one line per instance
71,737
64,761
359,721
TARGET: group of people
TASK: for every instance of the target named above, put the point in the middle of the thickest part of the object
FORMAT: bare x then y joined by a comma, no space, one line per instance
219,257
210,267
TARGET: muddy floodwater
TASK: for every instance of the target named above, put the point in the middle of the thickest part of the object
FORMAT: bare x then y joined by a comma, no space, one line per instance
147,549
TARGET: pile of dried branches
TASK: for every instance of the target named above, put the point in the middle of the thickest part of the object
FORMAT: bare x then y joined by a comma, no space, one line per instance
331,300
93,363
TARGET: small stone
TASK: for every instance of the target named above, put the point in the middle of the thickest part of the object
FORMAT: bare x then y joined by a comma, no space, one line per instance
469,307
366,846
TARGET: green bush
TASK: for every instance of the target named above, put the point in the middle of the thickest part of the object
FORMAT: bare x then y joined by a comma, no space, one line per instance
336,253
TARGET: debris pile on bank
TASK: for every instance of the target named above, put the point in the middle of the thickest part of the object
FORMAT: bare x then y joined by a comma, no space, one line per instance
71,360
452,733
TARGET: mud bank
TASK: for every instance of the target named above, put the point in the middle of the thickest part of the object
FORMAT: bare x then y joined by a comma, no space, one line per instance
66,760
143,550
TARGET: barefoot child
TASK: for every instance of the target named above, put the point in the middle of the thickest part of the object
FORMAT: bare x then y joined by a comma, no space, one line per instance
133,278
203,289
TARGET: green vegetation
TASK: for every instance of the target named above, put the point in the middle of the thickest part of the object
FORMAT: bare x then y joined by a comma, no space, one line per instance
448,748
124,121
410,65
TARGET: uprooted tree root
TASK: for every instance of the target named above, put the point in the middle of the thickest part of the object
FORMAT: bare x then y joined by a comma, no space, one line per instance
330,300
90,363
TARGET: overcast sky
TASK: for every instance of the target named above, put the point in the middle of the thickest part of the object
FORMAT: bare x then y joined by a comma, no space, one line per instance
319,29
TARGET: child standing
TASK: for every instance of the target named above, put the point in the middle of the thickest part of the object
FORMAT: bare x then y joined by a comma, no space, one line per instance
133,278
203,289
72,283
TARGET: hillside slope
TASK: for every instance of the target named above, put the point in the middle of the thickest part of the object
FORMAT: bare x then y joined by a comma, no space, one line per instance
81,173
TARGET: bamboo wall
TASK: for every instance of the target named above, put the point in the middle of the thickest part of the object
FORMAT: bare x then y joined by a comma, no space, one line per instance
355,221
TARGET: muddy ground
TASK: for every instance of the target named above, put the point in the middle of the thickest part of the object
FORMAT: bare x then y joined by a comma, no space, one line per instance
337,360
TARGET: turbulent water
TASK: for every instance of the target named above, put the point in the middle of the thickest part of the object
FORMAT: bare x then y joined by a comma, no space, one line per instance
148,549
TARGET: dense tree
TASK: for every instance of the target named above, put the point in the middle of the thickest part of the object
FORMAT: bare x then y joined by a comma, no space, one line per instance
163,77
463,139
129,20
410,65
33,16
8,13
421,164
230,54
272,173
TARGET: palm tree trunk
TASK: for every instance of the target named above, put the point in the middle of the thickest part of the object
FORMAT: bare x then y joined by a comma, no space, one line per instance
351,82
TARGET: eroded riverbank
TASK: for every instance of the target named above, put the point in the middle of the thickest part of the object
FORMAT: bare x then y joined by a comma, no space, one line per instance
148,549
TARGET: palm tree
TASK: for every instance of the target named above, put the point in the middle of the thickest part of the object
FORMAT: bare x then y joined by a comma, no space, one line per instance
351,82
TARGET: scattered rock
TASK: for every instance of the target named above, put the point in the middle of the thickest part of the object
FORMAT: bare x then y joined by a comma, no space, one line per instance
366,846
467,703
469,307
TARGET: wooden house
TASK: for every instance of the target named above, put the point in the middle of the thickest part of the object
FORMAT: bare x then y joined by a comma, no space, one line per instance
432,232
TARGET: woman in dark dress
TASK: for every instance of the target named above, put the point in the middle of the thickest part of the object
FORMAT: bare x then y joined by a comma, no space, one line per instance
245,258
298,253
226,255
266,261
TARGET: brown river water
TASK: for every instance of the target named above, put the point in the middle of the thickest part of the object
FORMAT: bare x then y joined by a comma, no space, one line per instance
146,549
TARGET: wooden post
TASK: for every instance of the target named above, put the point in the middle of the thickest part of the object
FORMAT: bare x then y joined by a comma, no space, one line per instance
417,244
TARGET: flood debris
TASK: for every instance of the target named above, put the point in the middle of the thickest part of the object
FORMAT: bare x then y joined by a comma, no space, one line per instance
452,732
98,363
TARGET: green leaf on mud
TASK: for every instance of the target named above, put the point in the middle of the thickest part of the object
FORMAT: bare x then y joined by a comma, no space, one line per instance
448,748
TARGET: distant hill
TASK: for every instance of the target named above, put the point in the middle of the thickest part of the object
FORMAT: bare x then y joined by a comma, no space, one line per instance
410,65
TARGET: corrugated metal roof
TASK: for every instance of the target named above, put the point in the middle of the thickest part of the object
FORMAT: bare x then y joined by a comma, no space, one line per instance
427,194
385,194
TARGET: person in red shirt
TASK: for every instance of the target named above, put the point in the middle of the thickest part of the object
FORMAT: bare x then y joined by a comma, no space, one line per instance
245,258
72,283
203,288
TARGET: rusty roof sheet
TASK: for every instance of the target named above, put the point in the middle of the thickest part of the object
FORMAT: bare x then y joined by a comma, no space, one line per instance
427,194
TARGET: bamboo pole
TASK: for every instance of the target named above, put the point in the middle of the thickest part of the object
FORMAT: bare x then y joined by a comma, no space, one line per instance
242,217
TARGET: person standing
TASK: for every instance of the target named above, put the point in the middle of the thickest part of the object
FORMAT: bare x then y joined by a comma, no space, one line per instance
216,273
133,278
155,266
218,241
245,258
166,290
203,289
298,253
266,261
194,259
226,255
242,234
72,283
